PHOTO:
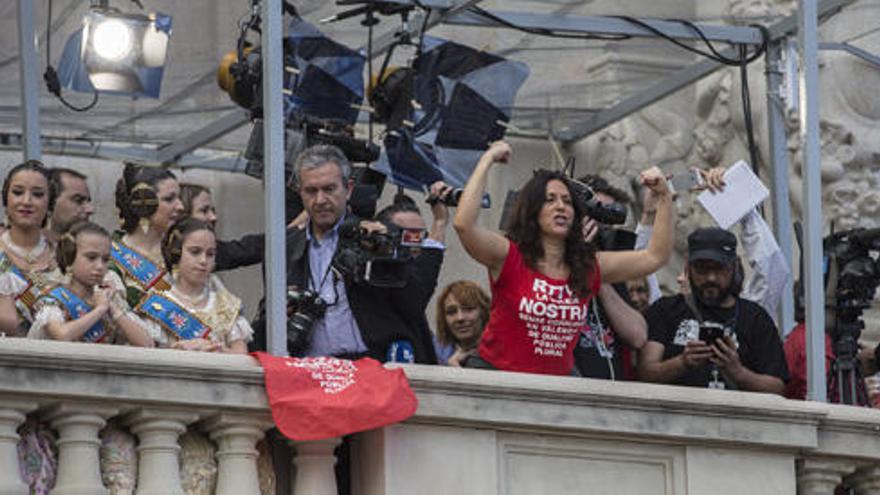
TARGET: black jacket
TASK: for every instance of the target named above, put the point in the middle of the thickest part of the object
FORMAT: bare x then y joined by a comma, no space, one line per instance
241,252
383,315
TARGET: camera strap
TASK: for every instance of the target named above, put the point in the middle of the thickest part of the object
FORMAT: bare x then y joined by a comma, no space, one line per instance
310,280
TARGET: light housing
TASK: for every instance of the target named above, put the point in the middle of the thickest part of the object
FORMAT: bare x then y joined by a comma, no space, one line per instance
117,52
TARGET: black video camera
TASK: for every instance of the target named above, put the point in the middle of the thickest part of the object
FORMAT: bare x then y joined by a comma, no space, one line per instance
337,133
852,258
453,198
305,308
375,258
851,277
585,198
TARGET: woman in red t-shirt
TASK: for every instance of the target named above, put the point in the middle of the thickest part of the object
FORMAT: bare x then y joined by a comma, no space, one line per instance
542,273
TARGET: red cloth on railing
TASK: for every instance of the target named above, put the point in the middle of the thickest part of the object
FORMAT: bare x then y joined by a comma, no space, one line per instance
324,397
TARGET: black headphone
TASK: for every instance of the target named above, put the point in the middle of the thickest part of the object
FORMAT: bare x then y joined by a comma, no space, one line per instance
736,283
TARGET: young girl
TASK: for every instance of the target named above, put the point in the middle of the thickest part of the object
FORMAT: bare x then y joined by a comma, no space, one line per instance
197,313
84,308
148,199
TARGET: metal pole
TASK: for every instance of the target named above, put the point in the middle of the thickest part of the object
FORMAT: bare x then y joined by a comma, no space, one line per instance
29,77
808,51
273,177
779,167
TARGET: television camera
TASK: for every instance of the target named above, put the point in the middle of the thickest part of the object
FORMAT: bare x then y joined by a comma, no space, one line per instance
375,258
852,276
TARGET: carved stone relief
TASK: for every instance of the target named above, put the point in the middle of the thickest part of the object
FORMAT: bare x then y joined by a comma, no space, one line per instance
849,105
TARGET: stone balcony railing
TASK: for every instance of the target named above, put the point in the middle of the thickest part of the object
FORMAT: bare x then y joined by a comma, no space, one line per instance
475,432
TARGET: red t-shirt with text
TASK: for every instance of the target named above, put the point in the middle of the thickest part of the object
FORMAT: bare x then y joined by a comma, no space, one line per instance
534,320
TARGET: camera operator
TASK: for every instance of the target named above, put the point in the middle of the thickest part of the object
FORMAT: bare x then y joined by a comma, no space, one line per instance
711,337
425,266
336,316
612,324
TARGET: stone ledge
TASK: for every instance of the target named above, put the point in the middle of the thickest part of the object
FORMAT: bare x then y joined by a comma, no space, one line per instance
652,412
50,372
53,372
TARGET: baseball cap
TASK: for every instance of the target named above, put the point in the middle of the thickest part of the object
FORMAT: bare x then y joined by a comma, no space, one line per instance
712,243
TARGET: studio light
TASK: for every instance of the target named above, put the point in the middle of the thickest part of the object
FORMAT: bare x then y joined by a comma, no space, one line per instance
116,52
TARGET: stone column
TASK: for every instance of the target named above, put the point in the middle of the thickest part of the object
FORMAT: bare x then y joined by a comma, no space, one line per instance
821,476
314,463
158,450
12,414
236,436
79,463
866,480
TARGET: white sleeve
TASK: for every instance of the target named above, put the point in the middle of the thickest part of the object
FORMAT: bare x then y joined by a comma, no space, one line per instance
154,330
48,311
643,237
770,273
241,330
11,285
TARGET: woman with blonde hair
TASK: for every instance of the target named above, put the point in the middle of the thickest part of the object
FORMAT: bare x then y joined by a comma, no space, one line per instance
462,313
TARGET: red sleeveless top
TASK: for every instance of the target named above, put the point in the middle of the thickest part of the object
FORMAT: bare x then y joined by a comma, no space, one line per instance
534,320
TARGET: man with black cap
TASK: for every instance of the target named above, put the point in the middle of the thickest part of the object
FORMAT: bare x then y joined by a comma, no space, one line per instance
711,337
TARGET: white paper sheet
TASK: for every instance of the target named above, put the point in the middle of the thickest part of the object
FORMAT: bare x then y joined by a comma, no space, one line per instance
742,193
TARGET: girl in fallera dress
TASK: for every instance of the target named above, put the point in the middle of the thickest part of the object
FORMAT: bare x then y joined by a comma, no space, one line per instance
85,308
148,200
197,312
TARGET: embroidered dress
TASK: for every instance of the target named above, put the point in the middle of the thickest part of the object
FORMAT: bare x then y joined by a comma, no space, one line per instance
24,284
137,270
23,276
218,318
118,446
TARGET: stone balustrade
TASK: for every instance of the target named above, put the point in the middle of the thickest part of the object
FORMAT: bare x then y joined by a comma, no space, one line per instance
475,432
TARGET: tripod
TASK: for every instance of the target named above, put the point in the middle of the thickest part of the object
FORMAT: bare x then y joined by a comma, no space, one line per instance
847,384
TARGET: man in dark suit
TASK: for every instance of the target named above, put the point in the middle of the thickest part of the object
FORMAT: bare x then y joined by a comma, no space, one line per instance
352,318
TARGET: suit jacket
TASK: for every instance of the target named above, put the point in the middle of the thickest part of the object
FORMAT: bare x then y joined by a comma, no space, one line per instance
383,315
241,252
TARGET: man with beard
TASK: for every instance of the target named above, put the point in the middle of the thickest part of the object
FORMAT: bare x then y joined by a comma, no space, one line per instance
711,337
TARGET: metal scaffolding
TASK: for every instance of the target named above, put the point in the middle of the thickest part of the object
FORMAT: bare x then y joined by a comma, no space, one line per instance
455,12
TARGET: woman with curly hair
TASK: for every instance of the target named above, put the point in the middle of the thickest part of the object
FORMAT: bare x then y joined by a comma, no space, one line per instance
148,201
544,272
